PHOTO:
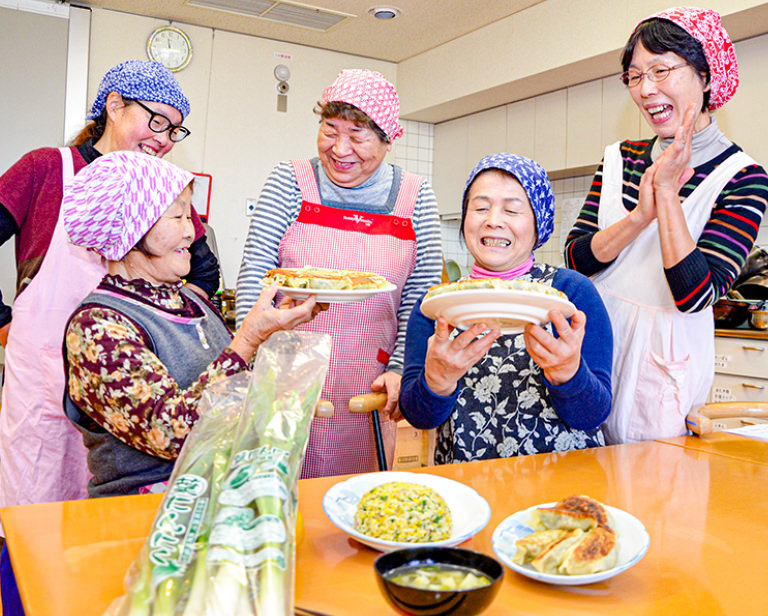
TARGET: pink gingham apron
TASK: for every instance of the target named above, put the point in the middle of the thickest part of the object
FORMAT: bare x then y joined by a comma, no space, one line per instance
42,456
364,333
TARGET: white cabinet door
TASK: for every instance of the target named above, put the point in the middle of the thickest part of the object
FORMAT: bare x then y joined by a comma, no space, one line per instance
584,145
521,128
487,135
550,130
450,168
621,118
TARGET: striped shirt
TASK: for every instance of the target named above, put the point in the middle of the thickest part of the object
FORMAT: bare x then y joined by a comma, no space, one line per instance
707,273
278,207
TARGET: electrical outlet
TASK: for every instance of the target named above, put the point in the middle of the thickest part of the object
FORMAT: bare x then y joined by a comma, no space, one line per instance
250,207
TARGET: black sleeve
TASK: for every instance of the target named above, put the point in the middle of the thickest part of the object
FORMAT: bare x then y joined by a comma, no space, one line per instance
8,228
204,270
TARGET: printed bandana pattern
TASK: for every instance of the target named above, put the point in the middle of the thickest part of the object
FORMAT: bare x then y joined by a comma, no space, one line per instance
534,181
706,27
372,94
115,200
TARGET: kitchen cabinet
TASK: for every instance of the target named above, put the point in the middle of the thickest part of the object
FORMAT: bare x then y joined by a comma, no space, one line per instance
521,129
584,139
487,134
741,366
550,130
450,168
620,116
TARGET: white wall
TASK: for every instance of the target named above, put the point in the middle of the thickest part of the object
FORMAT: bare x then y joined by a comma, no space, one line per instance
237,133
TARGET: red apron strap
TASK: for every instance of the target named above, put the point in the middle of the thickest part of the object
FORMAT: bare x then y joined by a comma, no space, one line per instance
406,196
305,177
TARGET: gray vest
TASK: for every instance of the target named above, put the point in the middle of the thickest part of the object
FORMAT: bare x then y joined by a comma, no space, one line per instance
186,346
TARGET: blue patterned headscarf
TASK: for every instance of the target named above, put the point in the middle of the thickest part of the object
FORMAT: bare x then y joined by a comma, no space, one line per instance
534,181
143,80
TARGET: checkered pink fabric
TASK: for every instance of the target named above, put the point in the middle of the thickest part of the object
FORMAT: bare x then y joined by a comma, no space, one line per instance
706,27
372,94
115,200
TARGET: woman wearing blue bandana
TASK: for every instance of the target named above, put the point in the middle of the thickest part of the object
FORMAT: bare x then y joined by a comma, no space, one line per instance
545,389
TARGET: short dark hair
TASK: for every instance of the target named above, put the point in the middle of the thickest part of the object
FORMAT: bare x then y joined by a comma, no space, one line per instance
660,36
345,111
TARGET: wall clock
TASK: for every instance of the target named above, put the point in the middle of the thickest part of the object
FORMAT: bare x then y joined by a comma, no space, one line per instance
170,46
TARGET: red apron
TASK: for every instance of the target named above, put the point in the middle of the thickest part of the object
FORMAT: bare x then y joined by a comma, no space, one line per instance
42,454
364,333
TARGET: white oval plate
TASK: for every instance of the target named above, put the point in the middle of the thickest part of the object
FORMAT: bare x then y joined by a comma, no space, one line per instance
470,511
510,310
331,296
631,534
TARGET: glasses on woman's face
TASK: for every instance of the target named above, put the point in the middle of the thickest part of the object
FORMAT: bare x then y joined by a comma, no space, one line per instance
659,72
158,123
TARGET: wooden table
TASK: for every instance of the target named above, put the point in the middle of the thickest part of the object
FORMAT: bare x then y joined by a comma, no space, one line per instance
707,516
724,444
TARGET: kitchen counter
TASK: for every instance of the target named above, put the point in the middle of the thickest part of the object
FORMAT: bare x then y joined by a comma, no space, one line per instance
743,332
705,512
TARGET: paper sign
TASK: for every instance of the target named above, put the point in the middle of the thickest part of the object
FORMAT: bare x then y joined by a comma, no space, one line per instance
758,431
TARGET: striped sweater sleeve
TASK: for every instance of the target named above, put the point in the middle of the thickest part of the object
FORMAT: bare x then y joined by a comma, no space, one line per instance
707,273
278,206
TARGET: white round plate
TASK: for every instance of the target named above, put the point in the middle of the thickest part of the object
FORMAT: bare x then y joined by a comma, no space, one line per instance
331,296
631,535
470,511
510,310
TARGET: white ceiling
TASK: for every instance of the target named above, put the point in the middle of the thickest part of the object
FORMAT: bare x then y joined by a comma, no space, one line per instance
423,24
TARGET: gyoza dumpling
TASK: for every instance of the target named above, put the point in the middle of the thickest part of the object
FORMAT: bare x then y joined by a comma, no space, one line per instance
590,506
573,512
592,552
534,544
549,560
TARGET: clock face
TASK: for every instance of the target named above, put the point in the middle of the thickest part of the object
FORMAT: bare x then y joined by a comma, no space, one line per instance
171,47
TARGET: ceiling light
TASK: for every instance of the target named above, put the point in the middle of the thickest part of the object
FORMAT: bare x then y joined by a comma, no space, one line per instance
384,12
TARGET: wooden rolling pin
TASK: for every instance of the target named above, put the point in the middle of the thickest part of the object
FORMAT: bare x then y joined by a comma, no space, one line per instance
718,416
324,408
371,403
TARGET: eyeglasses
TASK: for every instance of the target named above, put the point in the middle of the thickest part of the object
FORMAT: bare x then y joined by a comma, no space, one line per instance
158,123
655,73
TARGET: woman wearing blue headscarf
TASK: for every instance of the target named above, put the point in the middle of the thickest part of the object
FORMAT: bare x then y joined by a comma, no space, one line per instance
547,388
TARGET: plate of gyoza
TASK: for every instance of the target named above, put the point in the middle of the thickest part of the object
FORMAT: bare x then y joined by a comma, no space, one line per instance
577,540
327,285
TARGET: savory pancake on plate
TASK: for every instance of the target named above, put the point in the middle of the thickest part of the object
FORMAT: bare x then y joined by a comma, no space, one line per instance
325,279
471,284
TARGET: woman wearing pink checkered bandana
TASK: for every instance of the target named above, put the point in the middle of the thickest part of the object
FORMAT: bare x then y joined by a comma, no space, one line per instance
668,223
349,209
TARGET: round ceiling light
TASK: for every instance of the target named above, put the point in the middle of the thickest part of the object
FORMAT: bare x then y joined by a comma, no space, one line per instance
384,12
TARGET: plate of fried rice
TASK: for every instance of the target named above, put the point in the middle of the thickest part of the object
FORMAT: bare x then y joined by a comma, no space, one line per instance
395,509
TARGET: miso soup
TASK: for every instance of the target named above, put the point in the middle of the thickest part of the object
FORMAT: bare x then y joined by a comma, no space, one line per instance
438,577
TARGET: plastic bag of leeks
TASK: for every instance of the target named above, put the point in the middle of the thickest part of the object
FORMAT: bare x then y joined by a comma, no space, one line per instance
223,540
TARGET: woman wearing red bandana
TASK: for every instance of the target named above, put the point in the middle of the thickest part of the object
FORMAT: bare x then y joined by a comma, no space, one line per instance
349,209
668,222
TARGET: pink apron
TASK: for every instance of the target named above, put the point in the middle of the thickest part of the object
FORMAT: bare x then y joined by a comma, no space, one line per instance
42,456
364,333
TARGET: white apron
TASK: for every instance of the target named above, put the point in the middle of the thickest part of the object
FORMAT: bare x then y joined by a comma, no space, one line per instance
663,359
42,456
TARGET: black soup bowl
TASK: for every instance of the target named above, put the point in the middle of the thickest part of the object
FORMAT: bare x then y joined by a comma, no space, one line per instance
422,602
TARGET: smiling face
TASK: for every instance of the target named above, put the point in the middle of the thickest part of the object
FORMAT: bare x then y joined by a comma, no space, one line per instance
349,153
499,225
663,103
166,258
128,127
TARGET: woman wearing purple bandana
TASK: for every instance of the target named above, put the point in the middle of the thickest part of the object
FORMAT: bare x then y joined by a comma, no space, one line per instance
545,389
668,222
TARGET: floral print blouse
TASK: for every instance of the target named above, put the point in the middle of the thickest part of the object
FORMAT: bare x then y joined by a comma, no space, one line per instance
119,382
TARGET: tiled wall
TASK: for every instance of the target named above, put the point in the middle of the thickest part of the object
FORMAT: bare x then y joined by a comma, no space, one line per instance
413,151
569,195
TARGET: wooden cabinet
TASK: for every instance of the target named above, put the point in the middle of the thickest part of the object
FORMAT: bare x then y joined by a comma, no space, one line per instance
487,134
741,368
620,118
